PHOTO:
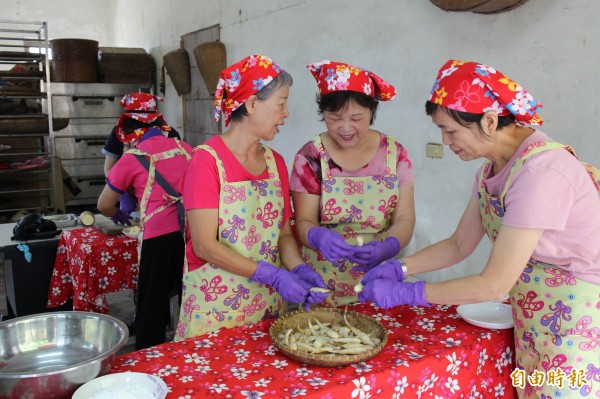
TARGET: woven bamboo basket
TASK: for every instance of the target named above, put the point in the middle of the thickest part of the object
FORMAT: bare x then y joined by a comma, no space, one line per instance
211,60
300,318
177,63
478,6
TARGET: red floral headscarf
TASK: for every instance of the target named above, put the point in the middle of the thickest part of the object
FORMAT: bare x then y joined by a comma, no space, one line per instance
241,80
140,102
477,88
145,105
137,134
336,76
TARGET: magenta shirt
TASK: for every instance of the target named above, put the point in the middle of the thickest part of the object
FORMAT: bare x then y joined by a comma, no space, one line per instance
202,186
552,191
129,172
306,172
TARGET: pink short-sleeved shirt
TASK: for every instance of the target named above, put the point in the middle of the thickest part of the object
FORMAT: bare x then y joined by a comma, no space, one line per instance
129,172
306,172
552,191
202,186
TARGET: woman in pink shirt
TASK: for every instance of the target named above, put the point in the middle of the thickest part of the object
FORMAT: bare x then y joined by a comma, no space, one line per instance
539,206
351,183
242,261
160,243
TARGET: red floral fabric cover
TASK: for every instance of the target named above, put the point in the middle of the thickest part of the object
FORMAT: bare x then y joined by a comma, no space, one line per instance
431,353
90,264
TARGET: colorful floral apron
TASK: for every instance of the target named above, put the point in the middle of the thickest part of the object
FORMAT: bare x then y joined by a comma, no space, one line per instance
353,206
250,221
556,315
170,200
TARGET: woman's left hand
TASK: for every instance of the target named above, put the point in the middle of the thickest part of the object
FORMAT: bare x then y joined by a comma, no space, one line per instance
126,204
389,270
388,293
120,217
373,253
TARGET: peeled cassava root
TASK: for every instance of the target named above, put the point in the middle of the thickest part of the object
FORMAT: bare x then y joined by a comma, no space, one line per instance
329,338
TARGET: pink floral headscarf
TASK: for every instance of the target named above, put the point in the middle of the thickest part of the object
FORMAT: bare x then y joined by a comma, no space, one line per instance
336,76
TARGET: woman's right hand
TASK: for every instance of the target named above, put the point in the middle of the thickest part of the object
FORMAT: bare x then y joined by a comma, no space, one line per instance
291,287
374,253
331,244
307,273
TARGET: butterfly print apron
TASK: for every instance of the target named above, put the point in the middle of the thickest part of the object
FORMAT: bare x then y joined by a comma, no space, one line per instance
169,199
556,316
353,206
250,221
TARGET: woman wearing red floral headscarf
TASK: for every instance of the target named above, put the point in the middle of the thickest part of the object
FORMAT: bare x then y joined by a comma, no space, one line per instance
351,183
153,166
238,209
537,203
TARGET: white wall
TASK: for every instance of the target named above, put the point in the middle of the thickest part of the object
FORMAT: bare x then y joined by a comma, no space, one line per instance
551,47
67,19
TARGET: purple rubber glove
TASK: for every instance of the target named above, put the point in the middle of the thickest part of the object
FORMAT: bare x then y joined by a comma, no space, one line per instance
120,218
390,270
126,204
306,273
291,287
373,253
330,243
388,293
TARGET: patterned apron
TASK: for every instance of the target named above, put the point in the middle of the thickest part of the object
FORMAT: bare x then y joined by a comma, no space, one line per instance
353,206
556,315
170,200
250,221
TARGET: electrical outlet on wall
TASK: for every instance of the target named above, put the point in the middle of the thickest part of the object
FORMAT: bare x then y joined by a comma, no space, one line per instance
434,150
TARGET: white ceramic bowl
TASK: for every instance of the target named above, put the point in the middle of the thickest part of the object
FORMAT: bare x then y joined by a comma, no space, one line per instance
123,385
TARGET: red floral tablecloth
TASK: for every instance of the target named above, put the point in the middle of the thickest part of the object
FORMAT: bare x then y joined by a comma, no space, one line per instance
90,264
431,353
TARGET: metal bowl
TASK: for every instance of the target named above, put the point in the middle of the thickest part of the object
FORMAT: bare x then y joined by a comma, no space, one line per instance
50,355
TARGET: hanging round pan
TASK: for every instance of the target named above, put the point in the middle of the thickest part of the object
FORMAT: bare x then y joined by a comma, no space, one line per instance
211,60
478,6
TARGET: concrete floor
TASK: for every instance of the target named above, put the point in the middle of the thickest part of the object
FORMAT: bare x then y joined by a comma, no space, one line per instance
122,307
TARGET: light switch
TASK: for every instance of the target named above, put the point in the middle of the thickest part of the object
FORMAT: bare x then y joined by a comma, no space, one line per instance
434,150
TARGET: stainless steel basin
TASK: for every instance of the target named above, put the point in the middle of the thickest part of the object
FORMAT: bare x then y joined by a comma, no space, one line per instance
50,355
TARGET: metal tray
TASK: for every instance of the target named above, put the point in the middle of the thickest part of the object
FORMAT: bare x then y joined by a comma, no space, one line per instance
64,220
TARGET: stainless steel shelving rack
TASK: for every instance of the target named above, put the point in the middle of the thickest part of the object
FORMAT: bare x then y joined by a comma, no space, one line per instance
26,43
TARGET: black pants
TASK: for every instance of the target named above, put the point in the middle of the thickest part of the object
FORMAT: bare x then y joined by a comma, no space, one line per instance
161,271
